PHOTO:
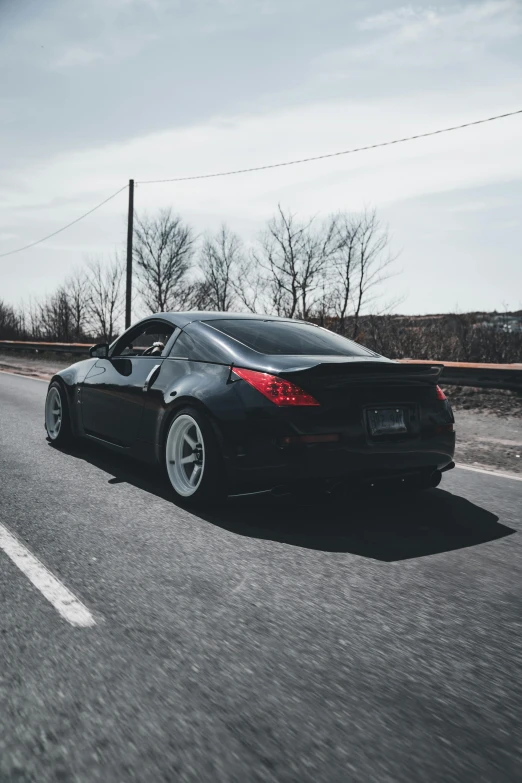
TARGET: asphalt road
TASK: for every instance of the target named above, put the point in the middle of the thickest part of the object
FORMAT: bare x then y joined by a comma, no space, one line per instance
270,641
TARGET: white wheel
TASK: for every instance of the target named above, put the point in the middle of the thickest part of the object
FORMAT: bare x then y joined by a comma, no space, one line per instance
185,455
53,413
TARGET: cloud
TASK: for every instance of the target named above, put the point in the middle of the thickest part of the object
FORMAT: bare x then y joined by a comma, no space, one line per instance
431,36
79,35
106,30
475,156
400,75
463,16
407,183
77,56
109,47
395,18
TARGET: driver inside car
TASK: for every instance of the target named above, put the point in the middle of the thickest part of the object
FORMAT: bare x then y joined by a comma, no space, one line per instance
155,349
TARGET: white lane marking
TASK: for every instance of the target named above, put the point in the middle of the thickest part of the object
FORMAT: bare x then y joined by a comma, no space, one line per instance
21,375
496,473
65,602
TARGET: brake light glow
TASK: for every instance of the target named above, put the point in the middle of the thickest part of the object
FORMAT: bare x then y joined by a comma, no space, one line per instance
275,389
440,394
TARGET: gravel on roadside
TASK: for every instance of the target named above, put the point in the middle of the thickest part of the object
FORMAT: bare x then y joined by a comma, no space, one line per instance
500,402
34,365
489,441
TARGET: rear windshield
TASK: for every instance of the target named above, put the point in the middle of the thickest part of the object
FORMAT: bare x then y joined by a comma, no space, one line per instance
282,337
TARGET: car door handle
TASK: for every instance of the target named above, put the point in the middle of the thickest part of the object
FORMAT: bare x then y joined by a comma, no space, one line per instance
151,377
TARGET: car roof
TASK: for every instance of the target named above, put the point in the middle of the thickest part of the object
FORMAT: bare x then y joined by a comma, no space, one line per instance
184,318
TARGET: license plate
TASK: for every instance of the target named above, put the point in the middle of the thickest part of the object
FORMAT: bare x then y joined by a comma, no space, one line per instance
387,421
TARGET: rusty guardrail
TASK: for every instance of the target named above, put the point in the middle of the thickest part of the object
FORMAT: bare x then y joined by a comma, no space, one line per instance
22,346
488,376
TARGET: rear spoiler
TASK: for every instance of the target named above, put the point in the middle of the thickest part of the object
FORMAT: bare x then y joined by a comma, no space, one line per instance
368,372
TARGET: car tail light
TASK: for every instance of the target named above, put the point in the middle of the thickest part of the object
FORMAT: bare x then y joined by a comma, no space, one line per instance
440,394
275,389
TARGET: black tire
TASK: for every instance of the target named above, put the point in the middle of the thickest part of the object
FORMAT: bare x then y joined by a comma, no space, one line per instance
413,485
435,479
211,488
424,482
60,435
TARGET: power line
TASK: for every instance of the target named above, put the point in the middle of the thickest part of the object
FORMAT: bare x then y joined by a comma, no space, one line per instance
331,154
263,168
38,241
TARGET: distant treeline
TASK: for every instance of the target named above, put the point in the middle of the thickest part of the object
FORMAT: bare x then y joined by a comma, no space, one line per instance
296,268
468,337
331,273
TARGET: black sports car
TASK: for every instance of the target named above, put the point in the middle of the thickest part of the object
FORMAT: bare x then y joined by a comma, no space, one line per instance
231,404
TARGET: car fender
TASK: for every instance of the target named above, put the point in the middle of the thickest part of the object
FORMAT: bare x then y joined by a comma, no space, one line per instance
70,380
187,401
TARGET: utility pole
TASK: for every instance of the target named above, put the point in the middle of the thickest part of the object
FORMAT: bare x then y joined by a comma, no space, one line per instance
130,231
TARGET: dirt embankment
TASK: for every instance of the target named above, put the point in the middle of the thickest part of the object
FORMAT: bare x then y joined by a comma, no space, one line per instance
34,365
497,401
485,440
488,421
489,427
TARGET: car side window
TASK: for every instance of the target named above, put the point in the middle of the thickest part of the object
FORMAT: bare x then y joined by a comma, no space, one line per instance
183,348
148,340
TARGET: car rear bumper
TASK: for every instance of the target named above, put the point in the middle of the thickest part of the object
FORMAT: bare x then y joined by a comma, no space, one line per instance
266,445
266,464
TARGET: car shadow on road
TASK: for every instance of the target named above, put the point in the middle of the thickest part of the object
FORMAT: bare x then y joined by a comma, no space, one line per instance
382,527
388,527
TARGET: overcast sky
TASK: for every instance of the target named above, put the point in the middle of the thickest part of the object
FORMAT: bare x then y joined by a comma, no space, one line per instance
93,93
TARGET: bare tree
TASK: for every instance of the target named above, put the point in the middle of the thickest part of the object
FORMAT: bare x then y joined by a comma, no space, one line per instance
105,304
463,329
9,322
78,291
372,261
294,256
221,257
22,320
55,318
250,285
33,320
197,296
163,249
60,315
342,268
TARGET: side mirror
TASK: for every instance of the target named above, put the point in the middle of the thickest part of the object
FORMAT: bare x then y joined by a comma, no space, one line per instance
100,351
